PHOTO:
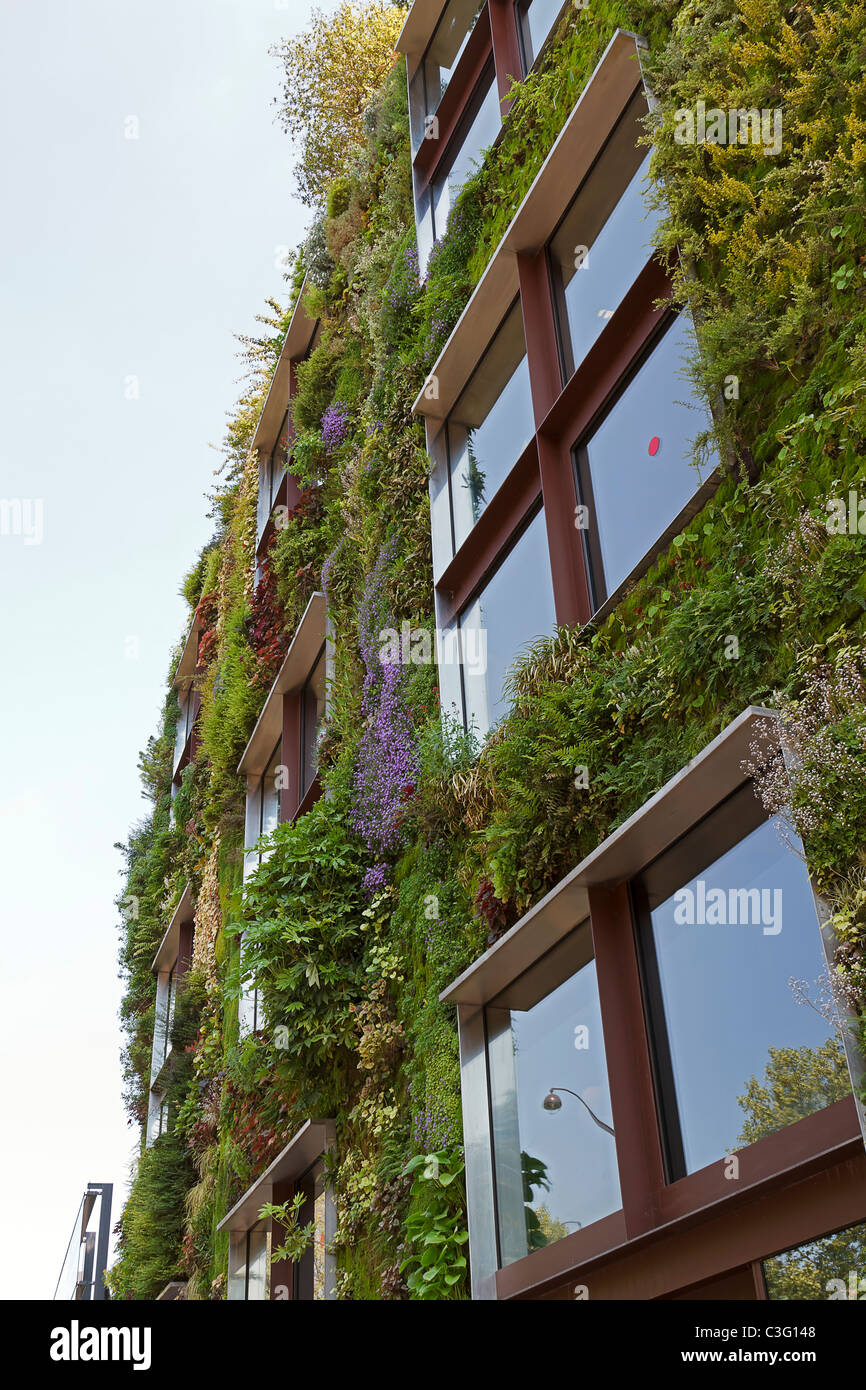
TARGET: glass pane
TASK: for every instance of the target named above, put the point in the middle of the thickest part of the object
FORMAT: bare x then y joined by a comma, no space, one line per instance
184,724
746,1058
640,474
271,784
446,47
556,1168
253,826
257,1264
605,240
513,610
169,1012
539,17
479,136
279,460
832,1268
490,425
312,714
237,1283
250,1010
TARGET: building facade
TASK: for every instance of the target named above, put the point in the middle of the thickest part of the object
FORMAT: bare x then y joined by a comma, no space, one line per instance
624,1004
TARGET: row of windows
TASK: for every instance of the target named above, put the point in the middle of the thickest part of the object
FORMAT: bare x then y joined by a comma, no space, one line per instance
449,63
725,922
633,464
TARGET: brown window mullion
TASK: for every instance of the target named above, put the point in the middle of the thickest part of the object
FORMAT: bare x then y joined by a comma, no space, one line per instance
567,563
629,1060
456,101
507,52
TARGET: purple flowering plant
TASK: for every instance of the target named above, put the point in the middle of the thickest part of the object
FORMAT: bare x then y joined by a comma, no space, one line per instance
335,427
386,770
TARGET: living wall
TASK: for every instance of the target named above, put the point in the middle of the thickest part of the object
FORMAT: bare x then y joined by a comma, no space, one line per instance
428,845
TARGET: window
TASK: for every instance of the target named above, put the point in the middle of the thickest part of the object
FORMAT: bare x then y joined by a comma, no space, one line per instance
477,131
514,608
634,468
263,810
187,702
248,1278
575,406
536,18
832,1268
554,1149
701,919
263,816
312,714
727,922
170,1001
308,1283
272,468
604,240
440,61
490,426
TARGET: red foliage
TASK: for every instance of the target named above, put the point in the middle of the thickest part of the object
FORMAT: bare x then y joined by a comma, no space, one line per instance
206,617
491,910
267,631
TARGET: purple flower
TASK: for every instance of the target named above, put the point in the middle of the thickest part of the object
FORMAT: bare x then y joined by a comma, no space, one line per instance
432,1129
335,427
387,760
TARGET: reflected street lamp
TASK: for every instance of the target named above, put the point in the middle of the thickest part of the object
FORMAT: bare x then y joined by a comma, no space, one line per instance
552,1102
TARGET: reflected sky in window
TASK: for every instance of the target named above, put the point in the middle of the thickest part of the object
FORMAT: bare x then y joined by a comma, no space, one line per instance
728,1002
640,457
515,608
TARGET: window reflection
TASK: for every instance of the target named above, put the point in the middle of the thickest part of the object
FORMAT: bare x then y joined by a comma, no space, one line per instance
514,609
537,18
490,425
635,471
437,67
479,130
263,817
272,468
555,1155
605,239
832,1268
729,923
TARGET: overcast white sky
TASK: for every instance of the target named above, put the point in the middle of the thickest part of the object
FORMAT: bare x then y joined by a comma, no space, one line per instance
120,258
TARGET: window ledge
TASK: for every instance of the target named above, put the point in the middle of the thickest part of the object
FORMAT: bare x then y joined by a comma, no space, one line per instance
690,795
310,1142
297,664
169,948
593,117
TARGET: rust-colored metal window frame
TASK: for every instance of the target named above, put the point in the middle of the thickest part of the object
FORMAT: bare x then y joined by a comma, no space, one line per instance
296,799
528,58
456,102
563,415
492,47
565,409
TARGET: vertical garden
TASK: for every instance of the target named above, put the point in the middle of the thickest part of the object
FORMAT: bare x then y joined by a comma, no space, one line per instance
429,843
